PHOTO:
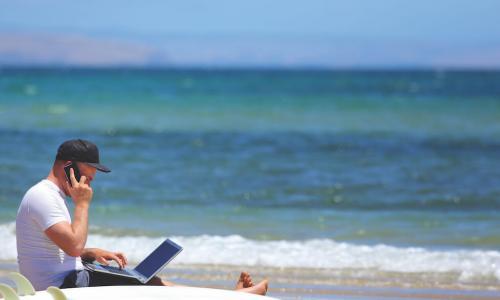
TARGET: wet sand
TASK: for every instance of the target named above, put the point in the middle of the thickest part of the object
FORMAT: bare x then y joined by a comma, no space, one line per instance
310,284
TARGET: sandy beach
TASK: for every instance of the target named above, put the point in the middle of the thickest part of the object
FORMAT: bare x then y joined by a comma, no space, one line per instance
309,284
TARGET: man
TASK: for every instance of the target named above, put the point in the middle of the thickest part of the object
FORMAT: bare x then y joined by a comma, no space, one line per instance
51,245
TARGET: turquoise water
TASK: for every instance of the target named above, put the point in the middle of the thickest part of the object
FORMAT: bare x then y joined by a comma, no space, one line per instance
402,159
313,154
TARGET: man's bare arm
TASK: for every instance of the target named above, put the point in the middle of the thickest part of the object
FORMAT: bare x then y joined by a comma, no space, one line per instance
71,238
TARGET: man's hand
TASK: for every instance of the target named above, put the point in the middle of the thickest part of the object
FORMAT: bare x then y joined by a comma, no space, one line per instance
80,192
103,256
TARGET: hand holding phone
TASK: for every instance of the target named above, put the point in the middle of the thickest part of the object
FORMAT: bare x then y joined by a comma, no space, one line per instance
81,193
76,171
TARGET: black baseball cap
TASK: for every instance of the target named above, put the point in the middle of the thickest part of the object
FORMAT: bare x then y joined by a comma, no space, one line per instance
81,151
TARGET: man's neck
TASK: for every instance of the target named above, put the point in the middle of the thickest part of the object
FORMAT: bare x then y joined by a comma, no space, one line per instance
56,180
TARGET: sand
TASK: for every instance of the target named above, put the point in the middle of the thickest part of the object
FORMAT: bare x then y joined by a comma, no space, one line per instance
308,284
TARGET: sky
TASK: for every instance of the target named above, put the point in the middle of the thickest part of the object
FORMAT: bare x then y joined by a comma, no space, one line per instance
257,33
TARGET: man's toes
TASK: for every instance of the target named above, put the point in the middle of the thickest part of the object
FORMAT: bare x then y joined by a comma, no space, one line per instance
243,281
248,283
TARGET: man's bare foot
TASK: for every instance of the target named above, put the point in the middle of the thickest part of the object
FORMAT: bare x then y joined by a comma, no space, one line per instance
245,281
258,289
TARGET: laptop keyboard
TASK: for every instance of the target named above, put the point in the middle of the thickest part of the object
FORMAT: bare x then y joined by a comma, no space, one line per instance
116,270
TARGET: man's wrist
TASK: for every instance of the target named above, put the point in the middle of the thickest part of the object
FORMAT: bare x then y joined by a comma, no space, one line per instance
82,205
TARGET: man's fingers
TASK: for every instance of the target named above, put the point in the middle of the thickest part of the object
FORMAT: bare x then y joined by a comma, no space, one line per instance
117,259
103,261
82,179
72,177
122,257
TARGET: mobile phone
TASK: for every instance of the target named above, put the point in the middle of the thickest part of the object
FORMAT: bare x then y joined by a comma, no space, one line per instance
72,165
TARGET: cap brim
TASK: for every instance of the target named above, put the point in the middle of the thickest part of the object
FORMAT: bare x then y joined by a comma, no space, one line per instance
99,167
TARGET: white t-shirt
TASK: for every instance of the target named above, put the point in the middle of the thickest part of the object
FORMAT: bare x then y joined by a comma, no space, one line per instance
40,259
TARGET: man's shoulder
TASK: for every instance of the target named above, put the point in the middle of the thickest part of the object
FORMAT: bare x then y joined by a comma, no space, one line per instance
44,186
43,190
44,204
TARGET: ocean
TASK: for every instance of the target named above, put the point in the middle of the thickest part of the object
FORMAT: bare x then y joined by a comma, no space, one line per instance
367,175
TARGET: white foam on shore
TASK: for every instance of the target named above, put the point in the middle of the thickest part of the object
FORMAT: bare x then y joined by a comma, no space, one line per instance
469,265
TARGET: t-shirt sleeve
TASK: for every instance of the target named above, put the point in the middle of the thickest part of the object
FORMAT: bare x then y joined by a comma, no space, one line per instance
46,211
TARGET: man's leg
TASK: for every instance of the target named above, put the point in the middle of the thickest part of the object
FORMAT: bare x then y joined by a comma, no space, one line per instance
87,278
244,284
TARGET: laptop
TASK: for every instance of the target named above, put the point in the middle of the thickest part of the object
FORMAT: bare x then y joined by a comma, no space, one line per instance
148,268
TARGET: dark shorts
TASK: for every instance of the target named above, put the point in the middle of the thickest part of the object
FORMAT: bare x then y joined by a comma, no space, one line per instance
87,278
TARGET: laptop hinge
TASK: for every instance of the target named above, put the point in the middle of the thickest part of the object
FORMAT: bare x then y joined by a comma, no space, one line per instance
139,276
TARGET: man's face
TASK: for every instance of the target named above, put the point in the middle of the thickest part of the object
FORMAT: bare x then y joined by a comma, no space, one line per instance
87,171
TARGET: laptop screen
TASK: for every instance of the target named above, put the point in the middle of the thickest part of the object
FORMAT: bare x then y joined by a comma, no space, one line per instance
158,258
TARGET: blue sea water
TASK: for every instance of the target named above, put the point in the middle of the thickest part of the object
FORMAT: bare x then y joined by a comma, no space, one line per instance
322,162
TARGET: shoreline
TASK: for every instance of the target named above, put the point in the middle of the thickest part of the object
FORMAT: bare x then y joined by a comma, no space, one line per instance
286,283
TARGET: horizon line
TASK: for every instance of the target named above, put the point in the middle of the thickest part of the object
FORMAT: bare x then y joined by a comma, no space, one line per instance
132,67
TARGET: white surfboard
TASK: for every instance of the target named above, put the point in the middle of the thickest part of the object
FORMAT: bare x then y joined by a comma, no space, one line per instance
26,292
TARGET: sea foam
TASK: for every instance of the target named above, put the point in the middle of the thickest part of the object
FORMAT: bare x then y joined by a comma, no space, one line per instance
469,265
